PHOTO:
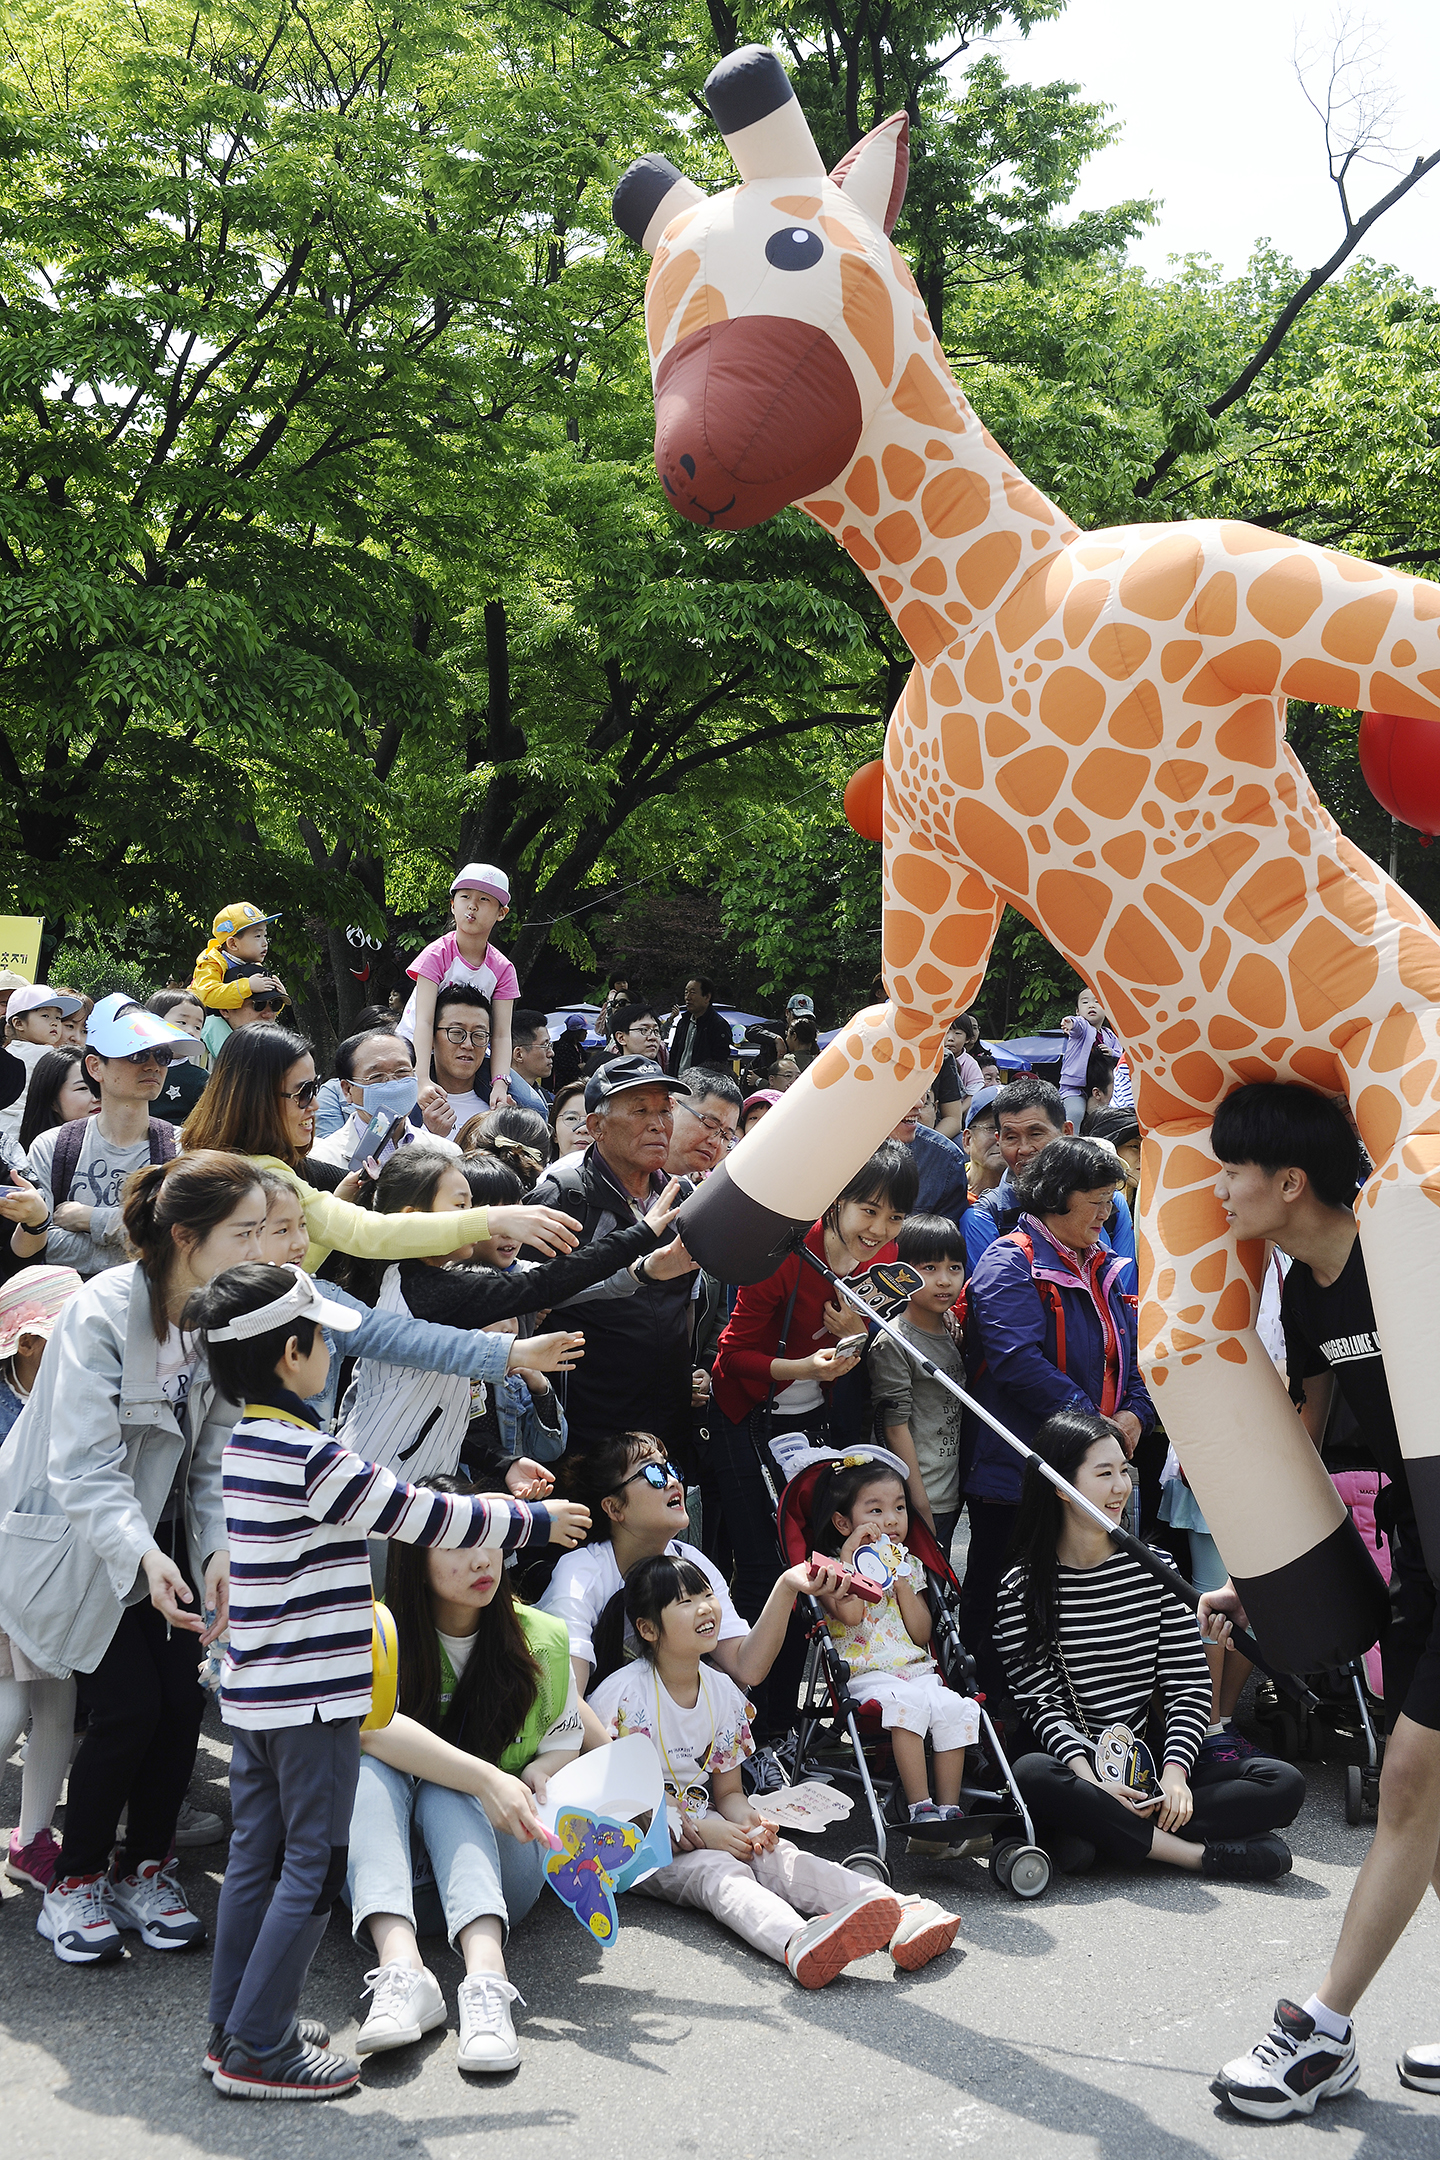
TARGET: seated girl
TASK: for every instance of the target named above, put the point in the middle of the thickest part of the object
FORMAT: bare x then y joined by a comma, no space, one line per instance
865,1503
808,1914
493,1679
1088,1639
414,1419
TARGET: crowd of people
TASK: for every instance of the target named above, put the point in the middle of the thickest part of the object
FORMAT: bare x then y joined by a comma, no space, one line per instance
274,1341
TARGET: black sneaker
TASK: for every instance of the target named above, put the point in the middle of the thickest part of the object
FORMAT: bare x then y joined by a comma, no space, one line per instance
1256,1859
1292,2068
309,2029
762,1773
296,2070
1420,2068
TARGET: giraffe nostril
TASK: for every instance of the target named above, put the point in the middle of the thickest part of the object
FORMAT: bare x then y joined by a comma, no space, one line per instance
687,465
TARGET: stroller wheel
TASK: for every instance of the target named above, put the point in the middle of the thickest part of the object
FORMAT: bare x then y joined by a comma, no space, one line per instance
1002,1858
1029,1872
1354,1795
867,1863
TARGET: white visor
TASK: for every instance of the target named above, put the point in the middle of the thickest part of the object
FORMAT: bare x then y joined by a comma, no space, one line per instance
302,1301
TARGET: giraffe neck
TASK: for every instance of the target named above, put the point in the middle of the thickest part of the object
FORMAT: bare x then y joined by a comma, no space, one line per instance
943,524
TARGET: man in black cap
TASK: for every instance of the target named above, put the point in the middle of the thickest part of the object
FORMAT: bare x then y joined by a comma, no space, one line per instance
637,1369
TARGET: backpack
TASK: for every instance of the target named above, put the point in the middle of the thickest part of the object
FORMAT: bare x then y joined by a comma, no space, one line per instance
72,1138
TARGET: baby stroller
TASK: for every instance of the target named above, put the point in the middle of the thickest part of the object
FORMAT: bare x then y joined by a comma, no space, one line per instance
844,1737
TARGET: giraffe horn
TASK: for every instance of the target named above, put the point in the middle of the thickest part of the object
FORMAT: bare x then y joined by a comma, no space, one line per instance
758,114
650,194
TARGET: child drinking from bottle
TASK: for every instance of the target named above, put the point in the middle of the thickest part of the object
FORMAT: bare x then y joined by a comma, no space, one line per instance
808,1914
864,1505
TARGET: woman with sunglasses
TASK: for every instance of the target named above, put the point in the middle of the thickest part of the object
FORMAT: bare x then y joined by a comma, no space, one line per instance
261,1102
637,1509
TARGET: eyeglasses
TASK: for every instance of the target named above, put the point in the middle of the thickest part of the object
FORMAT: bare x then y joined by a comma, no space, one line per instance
460,1036
658,1475
148,1057
713,1126
305,1094
651,1034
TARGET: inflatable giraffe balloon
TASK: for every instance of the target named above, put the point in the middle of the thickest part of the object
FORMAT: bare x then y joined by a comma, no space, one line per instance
1093,733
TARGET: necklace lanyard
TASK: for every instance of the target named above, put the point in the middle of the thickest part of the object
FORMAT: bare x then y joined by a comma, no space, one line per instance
682,1792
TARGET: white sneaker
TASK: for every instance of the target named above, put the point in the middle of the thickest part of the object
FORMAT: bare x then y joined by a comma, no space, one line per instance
822,1948
75,1917
1294,2066
152,1902
487,2029
1419,2068
404,2004
925,1931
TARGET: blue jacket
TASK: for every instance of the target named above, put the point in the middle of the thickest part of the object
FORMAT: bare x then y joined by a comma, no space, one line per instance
1012,1349
943,1188
991,1214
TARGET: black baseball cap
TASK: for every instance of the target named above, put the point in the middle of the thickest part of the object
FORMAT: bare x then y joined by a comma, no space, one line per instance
620,1073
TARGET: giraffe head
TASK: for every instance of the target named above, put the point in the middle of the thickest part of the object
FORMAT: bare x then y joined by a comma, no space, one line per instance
775,310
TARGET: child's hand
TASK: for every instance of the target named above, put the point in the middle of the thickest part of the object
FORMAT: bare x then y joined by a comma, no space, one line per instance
718,1835
528,1480
828,1579
764,1836
543,1227
436,1112
509,1805
664,1209
569,1522
1066,1024
560,1352
500,1093
856,1539
537,1781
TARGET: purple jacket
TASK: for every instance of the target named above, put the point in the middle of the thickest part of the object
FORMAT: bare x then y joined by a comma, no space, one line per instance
1078,1044
1012,1342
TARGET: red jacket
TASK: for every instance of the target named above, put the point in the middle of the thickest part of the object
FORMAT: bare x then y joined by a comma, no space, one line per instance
741,1373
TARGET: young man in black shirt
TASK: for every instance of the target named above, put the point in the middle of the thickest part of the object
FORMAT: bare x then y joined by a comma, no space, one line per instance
1289,1168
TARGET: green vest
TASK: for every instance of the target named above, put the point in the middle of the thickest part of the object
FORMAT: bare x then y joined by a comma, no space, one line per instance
549,1642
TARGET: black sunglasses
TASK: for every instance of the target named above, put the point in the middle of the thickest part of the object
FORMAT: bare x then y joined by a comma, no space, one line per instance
656,1474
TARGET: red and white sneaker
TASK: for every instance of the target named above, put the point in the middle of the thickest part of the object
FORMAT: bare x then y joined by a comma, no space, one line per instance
926,1931
822,1948
33,1863
152,1902
75,1917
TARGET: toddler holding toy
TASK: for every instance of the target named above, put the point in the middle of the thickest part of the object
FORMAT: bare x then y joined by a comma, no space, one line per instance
807,1913
864,1504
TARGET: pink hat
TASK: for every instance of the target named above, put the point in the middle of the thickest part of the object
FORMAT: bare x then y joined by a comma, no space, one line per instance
32,1301
765,1095
482,877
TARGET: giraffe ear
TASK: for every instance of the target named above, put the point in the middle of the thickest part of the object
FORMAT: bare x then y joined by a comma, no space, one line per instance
874,173
650,194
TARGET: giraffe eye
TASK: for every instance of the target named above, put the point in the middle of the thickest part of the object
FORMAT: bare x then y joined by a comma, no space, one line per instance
796,248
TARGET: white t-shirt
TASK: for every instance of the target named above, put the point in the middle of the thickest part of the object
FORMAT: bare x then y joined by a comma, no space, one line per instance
585,1581
713,1735
564,1731
465,1107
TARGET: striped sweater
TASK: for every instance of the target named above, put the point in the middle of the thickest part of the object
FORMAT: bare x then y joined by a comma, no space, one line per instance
300,1508
1123,1636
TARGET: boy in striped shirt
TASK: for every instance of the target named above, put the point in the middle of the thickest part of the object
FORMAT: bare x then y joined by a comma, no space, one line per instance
296,1680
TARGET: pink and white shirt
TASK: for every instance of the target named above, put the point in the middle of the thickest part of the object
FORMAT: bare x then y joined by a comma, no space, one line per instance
442,964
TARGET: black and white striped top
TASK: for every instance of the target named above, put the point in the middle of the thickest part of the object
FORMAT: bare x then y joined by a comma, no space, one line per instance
1123,1636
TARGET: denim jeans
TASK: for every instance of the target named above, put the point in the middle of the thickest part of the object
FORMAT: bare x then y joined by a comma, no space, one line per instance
474,1870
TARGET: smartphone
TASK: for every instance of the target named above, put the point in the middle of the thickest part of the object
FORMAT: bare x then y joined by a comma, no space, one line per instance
850,1345
372,1139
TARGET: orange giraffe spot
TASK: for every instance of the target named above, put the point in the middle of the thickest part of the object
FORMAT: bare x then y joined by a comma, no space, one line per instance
1180,778
806,206
898,537
1377,1114
843,237
1109,783
1030,783
982,672
1033,602
1178,916
1048,649
1413,1084
890,587
1082,610
1027,501
1199,1075
1135,948
863,486
931,981
1178,658
667,289
931,576
926,633
1226,1033
1140,722
904,936
1039,839
869,317
983,570
1205,874
831,1065
1322,684
1072,704
1081,903
1250,807
917,705
955,502
1269,903
1233,1352
1283,598
1120,650
961,940
1209,1274
1425,601
903,470
705,306
1249,736
1125,854
1354,571
1235,1308
960,750
1329,975
1344,898
1213,614
1216,956
1127,1016
858,548
1354,631
1154,815
922,882
1002,734
824,513
1160,583
1189,1221
920,395
1402,653
995,847
1320,1069
936,449
1419,963
945,687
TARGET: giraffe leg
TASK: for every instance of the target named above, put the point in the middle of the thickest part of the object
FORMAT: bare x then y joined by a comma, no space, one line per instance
939,925
1313,1597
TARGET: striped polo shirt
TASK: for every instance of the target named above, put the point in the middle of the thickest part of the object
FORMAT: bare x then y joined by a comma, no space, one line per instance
299,1509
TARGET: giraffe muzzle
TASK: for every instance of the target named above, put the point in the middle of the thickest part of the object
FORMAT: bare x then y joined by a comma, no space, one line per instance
751,415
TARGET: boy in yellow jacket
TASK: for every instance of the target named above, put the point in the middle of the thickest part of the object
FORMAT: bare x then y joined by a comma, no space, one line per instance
231,970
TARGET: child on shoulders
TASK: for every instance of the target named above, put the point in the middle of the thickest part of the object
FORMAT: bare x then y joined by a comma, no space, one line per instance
231,970
479,898
809,1914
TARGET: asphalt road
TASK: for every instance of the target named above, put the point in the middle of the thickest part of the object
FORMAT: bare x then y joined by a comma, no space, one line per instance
1086,2023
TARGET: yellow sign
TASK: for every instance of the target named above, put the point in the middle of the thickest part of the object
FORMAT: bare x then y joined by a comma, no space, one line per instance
20,944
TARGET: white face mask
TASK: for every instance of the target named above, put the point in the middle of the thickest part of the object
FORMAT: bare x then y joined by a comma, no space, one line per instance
396,1098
